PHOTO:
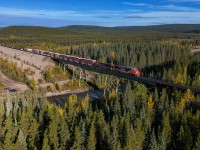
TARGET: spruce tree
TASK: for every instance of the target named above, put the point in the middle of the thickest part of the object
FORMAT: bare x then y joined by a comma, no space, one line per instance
91,145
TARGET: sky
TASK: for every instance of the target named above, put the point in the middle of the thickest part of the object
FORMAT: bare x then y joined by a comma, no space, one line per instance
58,13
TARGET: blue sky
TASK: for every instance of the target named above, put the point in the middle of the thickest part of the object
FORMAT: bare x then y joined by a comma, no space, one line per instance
56,13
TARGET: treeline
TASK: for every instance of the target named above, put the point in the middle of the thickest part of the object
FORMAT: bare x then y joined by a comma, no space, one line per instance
135,119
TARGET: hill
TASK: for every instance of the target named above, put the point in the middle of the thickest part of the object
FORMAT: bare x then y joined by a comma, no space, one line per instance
34,30
77,29
181,28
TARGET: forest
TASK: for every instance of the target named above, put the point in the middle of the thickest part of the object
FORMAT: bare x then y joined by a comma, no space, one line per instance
139,118
158,55
135,119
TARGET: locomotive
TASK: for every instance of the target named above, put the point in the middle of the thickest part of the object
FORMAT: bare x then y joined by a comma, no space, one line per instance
89,62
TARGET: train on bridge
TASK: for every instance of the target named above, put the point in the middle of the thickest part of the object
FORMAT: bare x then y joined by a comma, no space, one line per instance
85,61
113,69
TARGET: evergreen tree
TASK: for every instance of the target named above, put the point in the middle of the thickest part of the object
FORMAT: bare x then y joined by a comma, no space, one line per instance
64,134
77,140
197,143
154,145
32,137
91,145
83,137
46,144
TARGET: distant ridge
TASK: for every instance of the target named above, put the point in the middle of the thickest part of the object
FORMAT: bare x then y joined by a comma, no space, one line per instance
34,30
184,28
83,29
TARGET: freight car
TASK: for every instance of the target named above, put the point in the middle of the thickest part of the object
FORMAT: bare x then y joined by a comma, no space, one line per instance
54,55
63,57
35,51
74,59
40,52
88,62
28,49
45,53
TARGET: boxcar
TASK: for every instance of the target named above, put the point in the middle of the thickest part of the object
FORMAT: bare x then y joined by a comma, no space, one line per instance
35,51
74,59
28,49
61,56
45,53
88,62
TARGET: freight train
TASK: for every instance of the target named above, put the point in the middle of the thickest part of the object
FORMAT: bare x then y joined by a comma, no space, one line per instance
84,61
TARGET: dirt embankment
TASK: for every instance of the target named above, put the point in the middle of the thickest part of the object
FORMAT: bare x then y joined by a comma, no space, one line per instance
12,84
35,63
25,60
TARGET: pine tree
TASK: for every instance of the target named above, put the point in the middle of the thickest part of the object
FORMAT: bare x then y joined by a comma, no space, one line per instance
153,144
46,144
53,134
77,140
83,137
104,139
167,131
8,142
162,141
127,132
64,134
197,143
91,145
115,132
21,141
32,137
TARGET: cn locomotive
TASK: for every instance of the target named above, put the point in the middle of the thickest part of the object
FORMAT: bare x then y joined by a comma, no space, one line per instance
88,62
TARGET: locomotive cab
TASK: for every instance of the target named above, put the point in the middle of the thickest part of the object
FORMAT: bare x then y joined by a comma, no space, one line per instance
135,71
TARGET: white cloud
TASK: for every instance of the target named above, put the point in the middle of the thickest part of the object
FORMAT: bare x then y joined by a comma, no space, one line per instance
41,13
169,7
181,8
136,4
177,1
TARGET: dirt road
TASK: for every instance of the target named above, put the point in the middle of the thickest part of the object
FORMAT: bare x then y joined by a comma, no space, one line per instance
9,83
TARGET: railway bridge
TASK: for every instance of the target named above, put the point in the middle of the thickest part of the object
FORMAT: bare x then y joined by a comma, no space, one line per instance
65,59
141,79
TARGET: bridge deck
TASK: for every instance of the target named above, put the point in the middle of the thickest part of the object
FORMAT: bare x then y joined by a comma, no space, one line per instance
142,79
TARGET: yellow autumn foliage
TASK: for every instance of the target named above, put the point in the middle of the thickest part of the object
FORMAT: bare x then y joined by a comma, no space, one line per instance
182,103
73,99
189,96
49,106
84,102
52,87
179,79
112,94
150,102
60,111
